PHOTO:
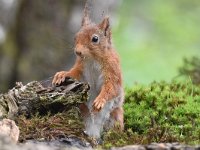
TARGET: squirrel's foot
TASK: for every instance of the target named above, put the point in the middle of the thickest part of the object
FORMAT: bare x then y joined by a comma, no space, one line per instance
98,104
60,77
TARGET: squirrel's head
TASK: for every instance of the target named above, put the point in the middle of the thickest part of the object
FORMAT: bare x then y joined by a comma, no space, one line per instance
92,40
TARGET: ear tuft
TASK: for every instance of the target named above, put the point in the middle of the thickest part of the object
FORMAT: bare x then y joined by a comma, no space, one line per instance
86,20
105,25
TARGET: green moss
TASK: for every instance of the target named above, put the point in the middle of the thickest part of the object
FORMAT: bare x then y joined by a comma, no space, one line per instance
159,112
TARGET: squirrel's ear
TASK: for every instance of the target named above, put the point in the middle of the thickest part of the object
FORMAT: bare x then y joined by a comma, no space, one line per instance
105,25
86,19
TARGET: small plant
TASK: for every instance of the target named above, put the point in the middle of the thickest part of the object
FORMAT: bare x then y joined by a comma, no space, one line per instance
191,68
159,112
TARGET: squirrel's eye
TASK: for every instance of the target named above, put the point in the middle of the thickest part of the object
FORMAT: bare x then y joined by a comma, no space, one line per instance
95,39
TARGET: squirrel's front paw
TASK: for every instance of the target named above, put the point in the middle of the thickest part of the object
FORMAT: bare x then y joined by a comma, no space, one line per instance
98,104
59,77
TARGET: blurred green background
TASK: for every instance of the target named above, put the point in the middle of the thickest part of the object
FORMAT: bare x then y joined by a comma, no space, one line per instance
152,37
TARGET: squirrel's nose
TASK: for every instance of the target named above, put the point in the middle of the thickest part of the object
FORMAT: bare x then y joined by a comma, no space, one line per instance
78,53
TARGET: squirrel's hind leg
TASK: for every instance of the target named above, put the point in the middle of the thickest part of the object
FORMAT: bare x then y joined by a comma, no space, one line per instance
117,119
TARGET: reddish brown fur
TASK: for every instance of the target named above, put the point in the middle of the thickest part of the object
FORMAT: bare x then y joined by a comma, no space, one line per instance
117,114
107,58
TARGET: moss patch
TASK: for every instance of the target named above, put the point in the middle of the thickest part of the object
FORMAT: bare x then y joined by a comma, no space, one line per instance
159,112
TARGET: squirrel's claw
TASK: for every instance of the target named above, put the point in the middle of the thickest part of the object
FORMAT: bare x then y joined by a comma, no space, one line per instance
59,78
98,104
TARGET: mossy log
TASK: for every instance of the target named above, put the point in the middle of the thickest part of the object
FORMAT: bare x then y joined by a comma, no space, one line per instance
42,97
43,111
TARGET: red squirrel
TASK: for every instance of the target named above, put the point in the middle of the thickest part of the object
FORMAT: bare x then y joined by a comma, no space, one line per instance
97,63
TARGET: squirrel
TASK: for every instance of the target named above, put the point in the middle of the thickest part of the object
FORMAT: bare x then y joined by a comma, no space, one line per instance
97,63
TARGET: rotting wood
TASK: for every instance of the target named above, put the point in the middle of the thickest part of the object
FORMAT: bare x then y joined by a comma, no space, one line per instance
42,97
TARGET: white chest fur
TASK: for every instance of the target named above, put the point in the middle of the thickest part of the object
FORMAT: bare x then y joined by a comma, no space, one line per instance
92,74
